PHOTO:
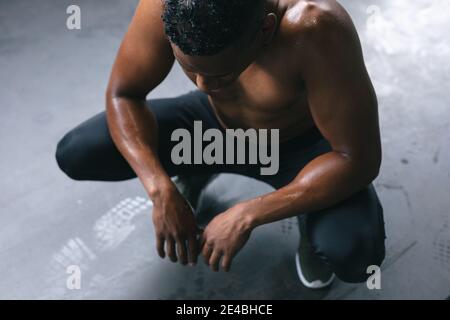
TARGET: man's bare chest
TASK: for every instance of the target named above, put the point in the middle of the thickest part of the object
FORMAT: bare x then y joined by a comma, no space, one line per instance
262,98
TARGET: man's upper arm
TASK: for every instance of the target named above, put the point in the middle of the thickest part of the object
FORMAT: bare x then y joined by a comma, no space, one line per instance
340,94
145,56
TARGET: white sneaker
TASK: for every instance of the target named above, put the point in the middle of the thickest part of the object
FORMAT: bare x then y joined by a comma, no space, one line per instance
312,284
313,272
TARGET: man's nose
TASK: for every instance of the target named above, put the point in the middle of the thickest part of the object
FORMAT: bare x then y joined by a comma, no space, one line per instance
206,84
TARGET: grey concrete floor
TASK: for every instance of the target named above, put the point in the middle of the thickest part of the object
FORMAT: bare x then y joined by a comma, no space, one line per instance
51,79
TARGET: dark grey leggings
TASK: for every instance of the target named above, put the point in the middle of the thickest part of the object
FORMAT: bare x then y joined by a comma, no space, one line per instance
350,235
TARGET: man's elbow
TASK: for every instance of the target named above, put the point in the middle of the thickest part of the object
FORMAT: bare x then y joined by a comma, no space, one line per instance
372,168
368,168
117,90
374,173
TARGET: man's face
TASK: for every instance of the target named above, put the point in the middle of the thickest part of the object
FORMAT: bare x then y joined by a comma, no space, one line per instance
212,73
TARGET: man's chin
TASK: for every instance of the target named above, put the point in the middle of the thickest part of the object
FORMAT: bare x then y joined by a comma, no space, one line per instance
218,90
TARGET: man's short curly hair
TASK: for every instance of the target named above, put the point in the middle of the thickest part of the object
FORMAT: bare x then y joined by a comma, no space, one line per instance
206,27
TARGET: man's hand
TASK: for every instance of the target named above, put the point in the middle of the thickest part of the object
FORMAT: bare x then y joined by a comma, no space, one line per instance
224,236
175,226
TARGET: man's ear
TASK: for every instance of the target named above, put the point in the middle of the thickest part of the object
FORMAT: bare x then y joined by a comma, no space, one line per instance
269,26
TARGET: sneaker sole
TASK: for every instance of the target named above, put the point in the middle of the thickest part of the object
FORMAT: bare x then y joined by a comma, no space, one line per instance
316,284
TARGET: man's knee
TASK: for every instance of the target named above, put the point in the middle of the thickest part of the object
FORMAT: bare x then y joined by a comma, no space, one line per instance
351,256
66,155
350,235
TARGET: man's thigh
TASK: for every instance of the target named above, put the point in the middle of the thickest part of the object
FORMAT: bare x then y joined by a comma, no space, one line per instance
87,152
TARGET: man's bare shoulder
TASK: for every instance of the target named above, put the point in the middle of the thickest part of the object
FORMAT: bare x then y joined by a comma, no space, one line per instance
316,17
318,24
319,29
148,13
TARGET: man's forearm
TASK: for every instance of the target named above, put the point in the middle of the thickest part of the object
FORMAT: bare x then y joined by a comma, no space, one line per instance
134,131
325,181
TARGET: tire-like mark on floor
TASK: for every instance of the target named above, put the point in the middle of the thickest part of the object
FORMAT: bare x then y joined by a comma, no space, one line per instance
441,245
116,225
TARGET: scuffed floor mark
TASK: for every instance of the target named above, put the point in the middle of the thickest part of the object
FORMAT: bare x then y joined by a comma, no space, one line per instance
116,225
394,258
400,188
441,245
436,156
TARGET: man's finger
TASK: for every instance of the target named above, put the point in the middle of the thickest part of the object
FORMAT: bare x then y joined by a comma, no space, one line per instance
206,252
193,250
160,246
202,239
214,260
170,249
182,252
226,262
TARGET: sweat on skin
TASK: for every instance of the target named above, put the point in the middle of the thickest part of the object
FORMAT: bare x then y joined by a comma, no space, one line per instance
213,153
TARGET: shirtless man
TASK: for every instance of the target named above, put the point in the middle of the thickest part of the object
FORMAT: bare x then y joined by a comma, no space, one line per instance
292,65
